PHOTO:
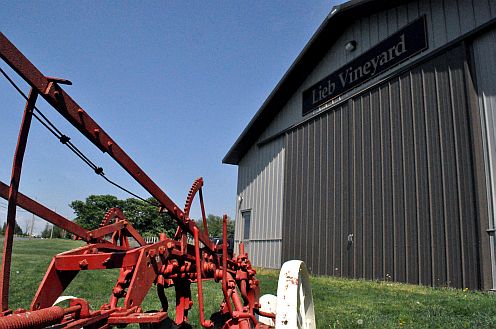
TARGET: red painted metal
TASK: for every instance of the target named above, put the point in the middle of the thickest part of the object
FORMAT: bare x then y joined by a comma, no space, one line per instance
198,261
75,114
43,212
35,319
12,204
156,317
170,262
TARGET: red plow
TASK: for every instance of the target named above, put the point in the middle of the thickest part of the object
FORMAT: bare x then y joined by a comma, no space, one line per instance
172,262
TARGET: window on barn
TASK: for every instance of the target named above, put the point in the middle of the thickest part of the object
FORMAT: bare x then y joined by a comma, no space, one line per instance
246,224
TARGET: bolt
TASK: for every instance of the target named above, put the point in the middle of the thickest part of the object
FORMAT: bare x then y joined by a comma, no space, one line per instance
83,264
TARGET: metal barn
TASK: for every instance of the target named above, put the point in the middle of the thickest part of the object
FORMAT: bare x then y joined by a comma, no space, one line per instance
375,155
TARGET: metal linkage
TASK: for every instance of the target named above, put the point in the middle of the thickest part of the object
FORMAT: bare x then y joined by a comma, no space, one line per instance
12,198
66,140
80,119
170,262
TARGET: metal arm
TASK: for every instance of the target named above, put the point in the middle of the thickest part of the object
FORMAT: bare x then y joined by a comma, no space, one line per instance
72,112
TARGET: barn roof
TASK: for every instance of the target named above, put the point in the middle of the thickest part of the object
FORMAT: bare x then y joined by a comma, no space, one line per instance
340,17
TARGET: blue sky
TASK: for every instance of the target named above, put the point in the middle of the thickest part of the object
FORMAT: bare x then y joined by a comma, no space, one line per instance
173,82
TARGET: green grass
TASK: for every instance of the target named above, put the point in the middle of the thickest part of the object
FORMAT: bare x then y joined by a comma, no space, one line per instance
339,303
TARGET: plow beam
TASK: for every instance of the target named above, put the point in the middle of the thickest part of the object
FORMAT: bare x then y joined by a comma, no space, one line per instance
41,211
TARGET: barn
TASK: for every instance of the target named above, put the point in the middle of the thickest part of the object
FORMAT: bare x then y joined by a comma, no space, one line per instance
375,155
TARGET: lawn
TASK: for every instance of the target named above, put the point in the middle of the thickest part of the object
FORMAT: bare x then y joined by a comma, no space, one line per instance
339,303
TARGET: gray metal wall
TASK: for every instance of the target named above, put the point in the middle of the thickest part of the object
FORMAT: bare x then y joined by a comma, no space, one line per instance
484,55
392,167
260,185
446,21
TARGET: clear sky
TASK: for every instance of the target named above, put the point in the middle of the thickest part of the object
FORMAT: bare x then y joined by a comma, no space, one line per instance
173,82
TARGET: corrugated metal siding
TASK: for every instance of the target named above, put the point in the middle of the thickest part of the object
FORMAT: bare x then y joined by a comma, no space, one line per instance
446,20
392,167
484,49
260,184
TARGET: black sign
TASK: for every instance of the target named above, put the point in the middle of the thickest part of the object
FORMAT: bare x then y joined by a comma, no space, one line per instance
400,46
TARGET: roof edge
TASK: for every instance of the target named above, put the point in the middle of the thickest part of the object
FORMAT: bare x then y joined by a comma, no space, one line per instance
310,52
229,157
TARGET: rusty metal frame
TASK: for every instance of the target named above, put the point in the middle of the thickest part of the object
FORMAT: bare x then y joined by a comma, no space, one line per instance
169,262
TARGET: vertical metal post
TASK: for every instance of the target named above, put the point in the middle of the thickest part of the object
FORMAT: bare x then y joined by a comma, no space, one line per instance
224,265
11,210
204,323
204,217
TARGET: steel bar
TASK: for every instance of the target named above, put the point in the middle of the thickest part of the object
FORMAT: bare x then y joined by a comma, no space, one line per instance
100,261
41,211
135,234
73,113
107,229
183,299
204,216
95,321
201,309
224,265
145,272
12,204
101,247
149,318
52,285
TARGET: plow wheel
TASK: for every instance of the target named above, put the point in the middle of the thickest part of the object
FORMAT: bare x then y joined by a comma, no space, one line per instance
294,302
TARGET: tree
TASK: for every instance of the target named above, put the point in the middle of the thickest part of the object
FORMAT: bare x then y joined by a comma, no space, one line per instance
17,229
214,224
146,219
53,231
142,215
89,213
46,231
58,233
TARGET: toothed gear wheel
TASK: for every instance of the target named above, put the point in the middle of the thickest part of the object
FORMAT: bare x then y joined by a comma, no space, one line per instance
197,185
111,214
